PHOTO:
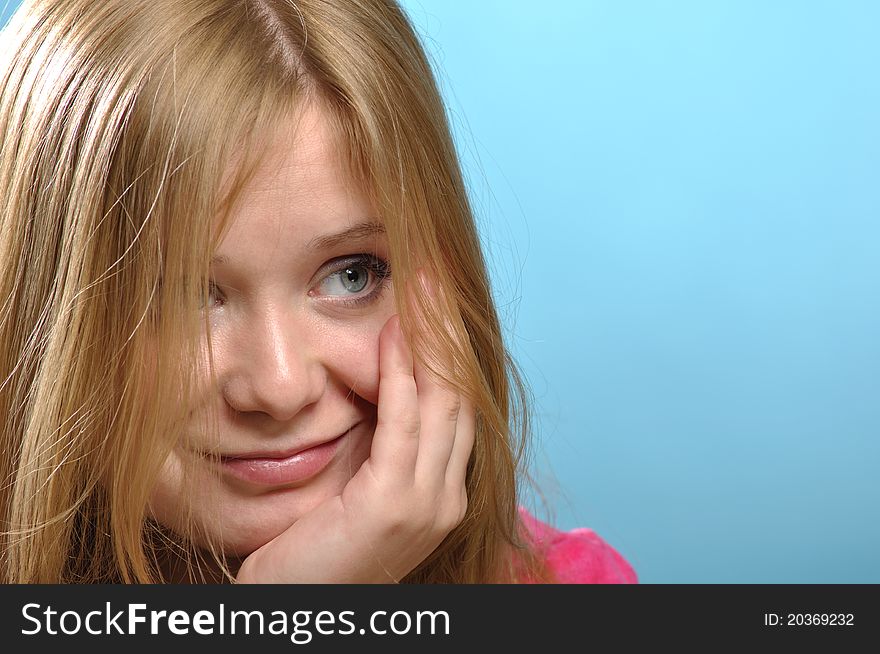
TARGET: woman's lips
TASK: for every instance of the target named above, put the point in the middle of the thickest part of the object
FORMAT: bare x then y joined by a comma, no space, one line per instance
269,471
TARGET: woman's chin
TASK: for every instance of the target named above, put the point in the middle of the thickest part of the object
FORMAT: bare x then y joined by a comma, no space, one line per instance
239,518
250,525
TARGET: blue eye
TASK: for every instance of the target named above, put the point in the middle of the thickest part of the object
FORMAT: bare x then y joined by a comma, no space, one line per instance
351,281
352,275
354,278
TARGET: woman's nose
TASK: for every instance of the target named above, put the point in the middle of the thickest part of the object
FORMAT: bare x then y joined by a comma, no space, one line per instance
277,370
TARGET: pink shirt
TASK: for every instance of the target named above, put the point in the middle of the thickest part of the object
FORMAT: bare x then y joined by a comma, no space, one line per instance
579,556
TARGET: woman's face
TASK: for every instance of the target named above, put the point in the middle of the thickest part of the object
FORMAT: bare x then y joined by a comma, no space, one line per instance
300,298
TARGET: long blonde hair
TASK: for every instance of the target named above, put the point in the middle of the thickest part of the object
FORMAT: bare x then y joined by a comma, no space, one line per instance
118,121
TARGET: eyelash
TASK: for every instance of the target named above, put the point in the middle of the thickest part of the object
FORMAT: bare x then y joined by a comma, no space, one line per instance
379,269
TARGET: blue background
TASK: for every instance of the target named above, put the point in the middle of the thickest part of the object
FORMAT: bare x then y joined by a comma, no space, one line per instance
680,201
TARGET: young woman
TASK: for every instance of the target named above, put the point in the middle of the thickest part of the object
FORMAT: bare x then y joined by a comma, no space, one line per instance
246,330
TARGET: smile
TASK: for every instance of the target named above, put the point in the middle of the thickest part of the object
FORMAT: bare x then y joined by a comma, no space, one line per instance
270,470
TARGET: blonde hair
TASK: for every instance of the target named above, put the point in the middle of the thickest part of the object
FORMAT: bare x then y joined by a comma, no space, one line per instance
115,119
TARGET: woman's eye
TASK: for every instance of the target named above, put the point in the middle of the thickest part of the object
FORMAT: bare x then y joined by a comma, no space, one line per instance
356,280
213,298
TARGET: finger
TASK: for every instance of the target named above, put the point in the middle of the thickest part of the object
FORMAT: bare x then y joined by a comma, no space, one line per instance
396,439
439,410
465,435
438,403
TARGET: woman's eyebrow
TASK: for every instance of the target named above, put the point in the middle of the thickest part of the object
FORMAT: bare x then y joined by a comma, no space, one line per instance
360,231
357,232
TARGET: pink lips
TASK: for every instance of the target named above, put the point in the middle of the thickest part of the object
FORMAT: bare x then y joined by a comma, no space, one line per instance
272,471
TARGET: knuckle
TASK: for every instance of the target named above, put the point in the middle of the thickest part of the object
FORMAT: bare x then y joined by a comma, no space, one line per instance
396,516
451,408
453,513
409,422
448,520
424,514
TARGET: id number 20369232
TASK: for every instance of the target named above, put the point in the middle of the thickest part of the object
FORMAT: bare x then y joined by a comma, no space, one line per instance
809,619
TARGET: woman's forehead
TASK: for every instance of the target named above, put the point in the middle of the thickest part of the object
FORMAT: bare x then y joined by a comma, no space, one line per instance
302,145
301,186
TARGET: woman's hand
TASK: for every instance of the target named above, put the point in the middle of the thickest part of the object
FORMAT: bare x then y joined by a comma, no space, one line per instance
402,502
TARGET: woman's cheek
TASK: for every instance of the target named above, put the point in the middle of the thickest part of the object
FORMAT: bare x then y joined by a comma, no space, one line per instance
165,503
354,359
